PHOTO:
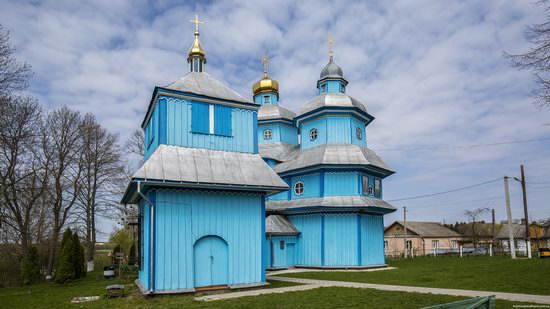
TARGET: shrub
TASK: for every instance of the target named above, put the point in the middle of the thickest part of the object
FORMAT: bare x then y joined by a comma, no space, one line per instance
65,268
78,257
30,273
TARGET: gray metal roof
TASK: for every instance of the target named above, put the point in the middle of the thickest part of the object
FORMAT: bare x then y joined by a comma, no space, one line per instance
204,84
203,166
428,229
279,225
329,201
273,111
330,154
333,100
519,231
276,150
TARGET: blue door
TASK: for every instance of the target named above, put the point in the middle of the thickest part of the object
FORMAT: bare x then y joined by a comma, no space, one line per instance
290,255
211,262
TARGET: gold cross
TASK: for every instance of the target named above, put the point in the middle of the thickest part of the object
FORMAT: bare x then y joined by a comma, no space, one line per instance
265,60
330,45
197,22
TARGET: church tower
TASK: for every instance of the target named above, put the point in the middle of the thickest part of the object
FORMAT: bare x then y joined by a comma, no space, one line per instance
202,188
276,130
332,216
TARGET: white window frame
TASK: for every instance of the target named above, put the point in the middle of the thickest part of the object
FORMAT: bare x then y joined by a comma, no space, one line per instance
296,188
211,118
267,99
313,134
268,134
435,244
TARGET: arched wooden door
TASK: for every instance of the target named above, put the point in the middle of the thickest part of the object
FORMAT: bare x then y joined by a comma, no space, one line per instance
211,261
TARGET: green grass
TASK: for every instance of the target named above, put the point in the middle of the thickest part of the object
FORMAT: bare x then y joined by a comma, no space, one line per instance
499,274
57,296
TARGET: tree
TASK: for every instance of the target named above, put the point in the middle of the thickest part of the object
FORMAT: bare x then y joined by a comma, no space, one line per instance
473,216
101,173
123,239
78,257
62,146
132,255
65,270
537,58
31,267
14,75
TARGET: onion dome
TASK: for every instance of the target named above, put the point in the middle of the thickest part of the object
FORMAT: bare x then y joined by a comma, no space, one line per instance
331,70
265,84
196,49
196,56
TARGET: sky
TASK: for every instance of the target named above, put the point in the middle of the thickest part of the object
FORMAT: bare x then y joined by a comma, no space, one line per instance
432,73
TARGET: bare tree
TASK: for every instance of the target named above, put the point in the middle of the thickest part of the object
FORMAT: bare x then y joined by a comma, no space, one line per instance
23,170
102,170
62,142
14,75
474,216
537,58
135,143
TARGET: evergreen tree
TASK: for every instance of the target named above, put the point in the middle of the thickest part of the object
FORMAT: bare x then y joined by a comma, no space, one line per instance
65,269
132,255
78,257
31,269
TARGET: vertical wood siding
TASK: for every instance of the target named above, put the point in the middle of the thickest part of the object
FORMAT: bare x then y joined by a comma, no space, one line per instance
183,217
144,270
309,242
280,255
372,239
340,240
341,183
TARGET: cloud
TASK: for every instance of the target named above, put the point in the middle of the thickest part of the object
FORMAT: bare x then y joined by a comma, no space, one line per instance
431,72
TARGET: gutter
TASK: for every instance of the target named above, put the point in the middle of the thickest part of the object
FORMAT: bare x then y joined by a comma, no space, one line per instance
151,238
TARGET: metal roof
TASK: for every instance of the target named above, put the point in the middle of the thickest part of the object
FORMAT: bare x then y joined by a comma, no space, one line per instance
204,166
332,100
519,231
276,150
330,154
330,201
273,111
331,70
428,229
203,84
279,225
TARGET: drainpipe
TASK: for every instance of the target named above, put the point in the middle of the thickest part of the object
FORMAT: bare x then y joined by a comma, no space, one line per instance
151,237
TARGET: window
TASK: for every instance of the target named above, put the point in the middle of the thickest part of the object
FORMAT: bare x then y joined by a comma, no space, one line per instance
282,244
342,88
323,88
409,244
385,245
299,188
454,244
266,99
313,134
371,190
365,184
211,119
435,244
268,134
377,188
358,133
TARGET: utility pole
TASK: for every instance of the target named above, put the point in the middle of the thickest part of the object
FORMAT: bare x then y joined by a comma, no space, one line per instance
493,227
405,228
527,232
509,213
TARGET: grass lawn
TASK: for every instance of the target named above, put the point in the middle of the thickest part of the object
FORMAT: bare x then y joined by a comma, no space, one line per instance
57,296
498,274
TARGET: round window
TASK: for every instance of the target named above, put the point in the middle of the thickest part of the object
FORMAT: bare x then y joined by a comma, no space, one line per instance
371,191
358,133
268,134
299,188
313,134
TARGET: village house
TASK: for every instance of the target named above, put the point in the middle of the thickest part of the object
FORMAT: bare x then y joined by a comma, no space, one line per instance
539,234
422,238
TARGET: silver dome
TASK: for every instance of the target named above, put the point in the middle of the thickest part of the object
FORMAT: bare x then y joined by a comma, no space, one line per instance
331,70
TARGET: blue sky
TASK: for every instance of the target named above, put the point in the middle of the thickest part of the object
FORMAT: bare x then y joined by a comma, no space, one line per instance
431,72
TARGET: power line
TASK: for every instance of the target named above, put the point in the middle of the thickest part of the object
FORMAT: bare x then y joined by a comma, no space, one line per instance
466,146
444,192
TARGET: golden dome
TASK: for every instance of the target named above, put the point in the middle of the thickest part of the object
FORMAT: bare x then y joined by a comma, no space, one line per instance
196,49
265,84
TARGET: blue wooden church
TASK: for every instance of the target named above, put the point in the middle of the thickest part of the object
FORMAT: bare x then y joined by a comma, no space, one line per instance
231,186
202,189
332,215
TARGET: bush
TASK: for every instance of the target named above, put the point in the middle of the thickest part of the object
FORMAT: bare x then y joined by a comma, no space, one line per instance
132,255
65,268
30,273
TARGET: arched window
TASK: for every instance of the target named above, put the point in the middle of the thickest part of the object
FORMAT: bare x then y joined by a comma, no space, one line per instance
299,188
313,134
268,134
358,133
